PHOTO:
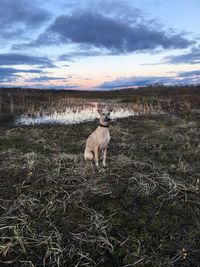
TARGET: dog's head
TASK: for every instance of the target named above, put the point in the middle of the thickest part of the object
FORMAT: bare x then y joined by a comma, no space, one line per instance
104,113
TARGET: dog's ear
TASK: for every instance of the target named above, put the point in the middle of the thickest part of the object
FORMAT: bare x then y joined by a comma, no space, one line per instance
99,108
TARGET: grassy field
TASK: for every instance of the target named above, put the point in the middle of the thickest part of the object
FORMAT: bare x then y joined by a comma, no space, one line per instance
142,210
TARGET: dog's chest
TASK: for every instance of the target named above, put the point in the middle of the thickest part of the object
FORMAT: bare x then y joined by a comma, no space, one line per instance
103,138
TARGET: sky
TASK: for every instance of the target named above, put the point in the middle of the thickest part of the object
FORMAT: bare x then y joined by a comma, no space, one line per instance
99,44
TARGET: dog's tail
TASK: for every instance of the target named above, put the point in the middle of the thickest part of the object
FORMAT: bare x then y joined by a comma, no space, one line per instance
88,154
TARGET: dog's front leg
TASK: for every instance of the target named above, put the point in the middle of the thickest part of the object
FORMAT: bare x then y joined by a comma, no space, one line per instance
104,157
96,157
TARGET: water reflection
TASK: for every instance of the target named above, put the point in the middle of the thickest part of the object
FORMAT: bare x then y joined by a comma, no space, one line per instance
71,115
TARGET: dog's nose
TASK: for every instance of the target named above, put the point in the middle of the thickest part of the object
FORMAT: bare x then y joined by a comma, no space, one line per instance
107,119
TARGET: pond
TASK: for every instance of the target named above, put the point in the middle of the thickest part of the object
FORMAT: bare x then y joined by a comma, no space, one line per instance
70,116
56,109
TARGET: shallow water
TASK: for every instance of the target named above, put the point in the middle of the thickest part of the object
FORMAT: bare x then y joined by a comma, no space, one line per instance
70,116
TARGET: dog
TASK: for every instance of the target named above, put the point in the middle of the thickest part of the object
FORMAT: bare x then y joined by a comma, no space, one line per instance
97,142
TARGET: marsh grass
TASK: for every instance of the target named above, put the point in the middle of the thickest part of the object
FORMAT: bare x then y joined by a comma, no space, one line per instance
142,210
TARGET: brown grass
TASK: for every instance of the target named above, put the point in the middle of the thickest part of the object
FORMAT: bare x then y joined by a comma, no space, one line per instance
142,210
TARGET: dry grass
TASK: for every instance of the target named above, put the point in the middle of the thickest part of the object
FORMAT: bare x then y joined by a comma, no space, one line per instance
142,210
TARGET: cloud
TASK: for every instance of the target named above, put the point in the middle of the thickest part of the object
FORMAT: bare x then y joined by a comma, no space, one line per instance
122,10
112,34
45,79
125,82
192,57
57,87
194,73
12,70
9,59
10,74
17,16
81,54
182,78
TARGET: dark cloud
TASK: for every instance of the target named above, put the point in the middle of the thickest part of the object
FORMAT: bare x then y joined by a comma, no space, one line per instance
9,59
11,74
112,34
17,16
13,70
56,87
8,75
190,77
51,87
192,57
121,10
133,82
45,79
194,73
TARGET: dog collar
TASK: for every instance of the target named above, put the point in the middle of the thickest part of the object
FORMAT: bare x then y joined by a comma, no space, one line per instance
101,125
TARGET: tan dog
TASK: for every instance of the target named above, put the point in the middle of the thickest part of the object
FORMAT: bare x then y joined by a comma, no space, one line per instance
97,142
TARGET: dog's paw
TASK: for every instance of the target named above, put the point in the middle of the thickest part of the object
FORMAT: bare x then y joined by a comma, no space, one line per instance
98,168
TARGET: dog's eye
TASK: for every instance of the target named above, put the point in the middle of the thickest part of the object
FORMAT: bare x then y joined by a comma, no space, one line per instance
103,114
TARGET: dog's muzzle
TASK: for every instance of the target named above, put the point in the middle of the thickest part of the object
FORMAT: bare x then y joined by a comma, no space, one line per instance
107,119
